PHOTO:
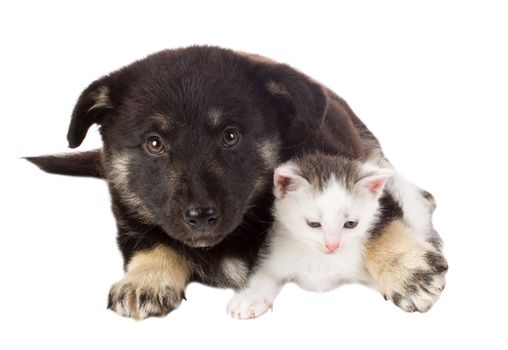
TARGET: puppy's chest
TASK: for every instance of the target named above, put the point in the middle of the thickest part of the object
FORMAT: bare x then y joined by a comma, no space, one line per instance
322,272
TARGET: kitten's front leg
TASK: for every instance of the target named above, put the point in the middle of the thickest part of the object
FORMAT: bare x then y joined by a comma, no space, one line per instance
407,269
256,299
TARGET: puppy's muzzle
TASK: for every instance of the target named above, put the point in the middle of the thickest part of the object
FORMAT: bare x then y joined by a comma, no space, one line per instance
201,218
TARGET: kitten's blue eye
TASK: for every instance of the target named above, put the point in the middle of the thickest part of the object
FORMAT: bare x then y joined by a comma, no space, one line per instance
313,224
350,224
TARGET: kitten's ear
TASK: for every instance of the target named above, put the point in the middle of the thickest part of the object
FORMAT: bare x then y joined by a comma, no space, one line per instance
94,103
373,181
286,178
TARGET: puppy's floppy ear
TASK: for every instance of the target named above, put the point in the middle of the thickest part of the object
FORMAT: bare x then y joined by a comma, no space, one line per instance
295,92
92,106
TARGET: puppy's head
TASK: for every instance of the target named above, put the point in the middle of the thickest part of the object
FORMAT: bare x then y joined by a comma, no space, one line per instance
191,136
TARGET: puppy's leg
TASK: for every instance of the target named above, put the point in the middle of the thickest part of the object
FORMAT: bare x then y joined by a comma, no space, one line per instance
153,284
407,269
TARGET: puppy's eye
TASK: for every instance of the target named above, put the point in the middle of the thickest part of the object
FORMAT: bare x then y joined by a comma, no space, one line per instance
313,224
230,137
350,224
155,145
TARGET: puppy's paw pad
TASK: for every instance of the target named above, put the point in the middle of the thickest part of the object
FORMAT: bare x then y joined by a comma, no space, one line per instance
247,306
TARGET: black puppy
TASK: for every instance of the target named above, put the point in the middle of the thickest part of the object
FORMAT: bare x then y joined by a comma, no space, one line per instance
191,138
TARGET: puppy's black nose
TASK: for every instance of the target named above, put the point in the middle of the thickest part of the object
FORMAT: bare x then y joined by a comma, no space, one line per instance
201,218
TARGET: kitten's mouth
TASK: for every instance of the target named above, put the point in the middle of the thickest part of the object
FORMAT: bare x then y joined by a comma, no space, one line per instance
330,250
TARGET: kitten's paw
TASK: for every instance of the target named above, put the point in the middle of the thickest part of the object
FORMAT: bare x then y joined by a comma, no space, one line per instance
418,285
142,294
247,306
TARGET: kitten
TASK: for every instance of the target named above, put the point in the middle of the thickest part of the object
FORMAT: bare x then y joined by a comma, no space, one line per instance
325,208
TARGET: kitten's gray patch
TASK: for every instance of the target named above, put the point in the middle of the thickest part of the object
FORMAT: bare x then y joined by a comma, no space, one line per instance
319,169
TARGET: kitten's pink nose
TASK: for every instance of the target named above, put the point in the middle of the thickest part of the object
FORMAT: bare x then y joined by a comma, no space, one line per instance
331,247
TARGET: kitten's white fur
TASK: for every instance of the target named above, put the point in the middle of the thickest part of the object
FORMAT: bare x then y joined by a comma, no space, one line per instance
297,252
417,210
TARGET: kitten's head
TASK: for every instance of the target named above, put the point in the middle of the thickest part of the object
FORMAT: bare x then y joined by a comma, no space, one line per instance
327,201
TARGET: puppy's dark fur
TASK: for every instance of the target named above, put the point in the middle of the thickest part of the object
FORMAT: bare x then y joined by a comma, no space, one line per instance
189,97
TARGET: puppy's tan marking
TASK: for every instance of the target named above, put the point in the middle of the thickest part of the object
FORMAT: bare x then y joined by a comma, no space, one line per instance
119,171
215,117
118,176
163,122
395,248
235,271
165,258
277,89
269,151
256,58
101,98
153,284
398,262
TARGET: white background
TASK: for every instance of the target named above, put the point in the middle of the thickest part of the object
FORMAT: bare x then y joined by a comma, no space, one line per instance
429,79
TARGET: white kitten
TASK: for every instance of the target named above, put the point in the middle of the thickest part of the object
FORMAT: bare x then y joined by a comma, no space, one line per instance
324,209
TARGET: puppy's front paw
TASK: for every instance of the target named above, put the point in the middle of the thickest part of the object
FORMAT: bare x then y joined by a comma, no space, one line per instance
417,284
407,269
248,306
142,294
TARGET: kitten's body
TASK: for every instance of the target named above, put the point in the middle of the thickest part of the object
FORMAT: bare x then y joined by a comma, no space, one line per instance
314,270
315,190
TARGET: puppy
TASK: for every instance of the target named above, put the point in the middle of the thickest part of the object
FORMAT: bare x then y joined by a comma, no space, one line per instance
190,141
